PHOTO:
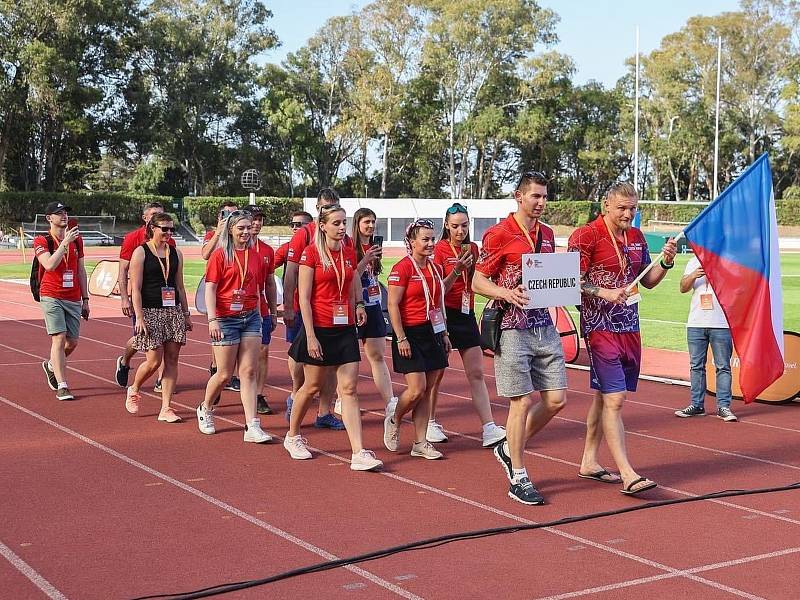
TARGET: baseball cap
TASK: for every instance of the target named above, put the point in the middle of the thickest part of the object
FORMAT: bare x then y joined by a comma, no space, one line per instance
55,207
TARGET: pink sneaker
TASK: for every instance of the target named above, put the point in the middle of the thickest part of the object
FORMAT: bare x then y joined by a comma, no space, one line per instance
168,416
132,401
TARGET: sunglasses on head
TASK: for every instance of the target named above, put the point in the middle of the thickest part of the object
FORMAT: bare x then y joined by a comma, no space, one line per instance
166,229
426,223
457,208
329,207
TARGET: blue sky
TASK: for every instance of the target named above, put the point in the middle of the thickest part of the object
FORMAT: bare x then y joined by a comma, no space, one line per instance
598,34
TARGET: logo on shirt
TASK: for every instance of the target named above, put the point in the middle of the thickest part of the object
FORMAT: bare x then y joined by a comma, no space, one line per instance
394,277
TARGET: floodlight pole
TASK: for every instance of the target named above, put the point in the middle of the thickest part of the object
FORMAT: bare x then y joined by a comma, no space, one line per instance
252,198
716,125
636,121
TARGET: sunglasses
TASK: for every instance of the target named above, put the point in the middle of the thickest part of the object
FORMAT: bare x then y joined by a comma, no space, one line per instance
457,208
329,207
426,223
296,224
166,229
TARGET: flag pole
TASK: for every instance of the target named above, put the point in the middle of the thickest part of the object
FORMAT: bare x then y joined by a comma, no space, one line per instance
716,125
658,258
636,121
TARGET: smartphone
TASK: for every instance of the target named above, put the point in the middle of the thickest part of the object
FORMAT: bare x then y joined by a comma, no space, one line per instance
377,240
223,214
466,247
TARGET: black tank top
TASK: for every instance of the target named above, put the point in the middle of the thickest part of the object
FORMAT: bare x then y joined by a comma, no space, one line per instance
153,277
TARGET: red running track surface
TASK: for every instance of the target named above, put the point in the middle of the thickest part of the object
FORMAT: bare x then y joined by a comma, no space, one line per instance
101,504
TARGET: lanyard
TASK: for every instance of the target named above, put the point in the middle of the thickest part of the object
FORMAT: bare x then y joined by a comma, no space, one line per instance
369,268
616,247
339,276
64,258
242,270
527,235
429,297
463,273
164,271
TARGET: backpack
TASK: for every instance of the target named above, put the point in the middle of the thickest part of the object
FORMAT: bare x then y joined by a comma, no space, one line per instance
37,268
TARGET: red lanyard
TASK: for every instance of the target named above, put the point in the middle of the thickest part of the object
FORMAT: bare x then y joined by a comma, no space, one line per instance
339,276
242,270
164,271
463,273
616,247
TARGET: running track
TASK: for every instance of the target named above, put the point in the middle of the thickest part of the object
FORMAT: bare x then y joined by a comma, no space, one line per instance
100,504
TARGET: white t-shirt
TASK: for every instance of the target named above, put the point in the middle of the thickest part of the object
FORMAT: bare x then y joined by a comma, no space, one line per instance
698,316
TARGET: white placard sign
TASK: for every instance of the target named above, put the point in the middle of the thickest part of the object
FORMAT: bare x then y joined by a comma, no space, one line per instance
552,279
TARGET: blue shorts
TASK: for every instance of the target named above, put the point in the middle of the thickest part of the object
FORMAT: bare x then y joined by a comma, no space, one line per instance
614,361
266,330
375,327
235,328
293,332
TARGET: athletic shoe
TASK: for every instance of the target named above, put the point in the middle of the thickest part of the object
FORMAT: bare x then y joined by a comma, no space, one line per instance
726,414
122,373
157,386
391,405
337,406
493,436
51,377
691,411
64,394
391,434
365,461
234,385
254,433
501,454
205,420
296,447
425,450
435,433
328,422
132,400
262,407
524,492
167,415
288,413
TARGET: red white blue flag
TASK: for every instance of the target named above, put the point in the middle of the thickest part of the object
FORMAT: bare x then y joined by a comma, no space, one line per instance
736,240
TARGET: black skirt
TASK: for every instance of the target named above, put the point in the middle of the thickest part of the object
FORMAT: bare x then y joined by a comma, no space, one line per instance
339,346
375,327
427,350
463,329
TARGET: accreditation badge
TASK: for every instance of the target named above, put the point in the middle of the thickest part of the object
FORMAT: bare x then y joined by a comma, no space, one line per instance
437,320
634,298
237,304
68,279
706,301
340,316
167,296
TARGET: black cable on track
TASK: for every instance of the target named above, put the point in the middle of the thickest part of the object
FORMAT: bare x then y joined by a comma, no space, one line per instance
452,537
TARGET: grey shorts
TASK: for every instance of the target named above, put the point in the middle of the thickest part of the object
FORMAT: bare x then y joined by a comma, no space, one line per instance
529,360
61,316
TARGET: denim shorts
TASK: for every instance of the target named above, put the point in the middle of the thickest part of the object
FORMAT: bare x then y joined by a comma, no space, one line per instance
235,328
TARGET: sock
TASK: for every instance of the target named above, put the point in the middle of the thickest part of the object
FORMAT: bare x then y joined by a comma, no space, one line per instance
62,385
519,474
49,365
431,421
487,427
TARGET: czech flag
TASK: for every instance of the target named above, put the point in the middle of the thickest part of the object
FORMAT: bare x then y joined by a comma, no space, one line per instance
736,240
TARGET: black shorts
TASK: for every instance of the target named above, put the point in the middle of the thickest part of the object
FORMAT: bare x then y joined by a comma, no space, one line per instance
339,346
463,329
427,350
375,327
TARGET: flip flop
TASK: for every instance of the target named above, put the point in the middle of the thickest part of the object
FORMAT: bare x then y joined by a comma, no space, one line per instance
602,476
629,491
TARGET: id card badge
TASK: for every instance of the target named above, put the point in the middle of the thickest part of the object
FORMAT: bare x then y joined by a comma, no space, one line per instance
167,296
466,297
706,302
437,320
68,279
237,304
374,293
340,314
634,298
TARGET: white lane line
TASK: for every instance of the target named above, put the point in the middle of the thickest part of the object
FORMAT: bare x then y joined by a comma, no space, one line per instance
28,571
215,501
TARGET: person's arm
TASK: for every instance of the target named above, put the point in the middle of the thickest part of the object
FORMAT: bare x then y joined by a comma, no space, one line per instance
688,279
290,273
214,330
83,281
305,284
463,263
357,300
179,284
136,275
396,293
211,244
486,287
49,261
371,254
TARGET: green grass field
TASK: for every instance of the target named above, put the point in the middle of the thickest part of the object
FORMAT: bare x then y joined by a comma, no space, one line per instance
663,310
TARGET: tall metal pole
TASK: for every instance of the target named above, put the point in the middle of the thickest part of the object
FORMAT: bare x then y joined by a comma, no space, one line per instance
636,121
716,125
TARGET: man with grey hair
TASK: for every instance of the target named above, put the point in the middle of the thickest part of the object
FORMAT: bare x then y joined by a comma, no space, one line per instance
613,254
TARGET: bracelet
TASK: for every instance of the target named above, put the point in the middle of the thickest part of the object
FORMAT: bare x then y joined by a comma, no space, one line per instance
361,304
400,341
456,271
211,320
187,313
665,266
86,299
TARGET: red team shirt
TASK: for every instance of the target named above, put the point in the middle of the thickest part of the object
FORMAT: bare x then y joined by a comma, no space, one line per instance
601,265
412,305
133,240
280,255
444,257
267,254
228,278
325,291
501,261
51,284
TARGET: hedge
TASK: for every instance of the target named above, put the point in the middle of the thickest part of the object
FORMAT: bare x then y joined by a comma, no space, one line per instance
203,210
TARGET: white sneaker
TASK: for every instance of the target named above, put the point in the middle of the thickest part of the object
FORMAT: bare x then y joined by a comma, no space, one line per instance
337,406
391,434
391,405
435,433
425,450
494,435
205,420
365,461
296,447
254,433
